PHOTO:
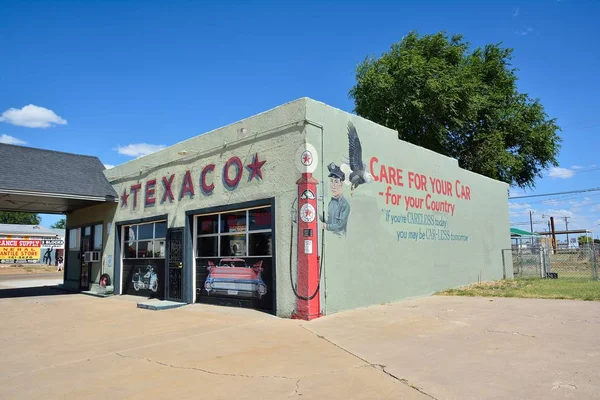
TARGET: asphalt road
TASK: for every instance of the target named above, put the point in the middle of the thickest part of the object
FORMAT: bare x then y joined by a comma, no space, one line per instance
36,276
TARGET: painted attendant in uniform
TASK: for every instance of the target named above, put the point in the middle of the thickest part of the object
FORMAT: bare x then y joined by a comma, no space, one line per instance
339,208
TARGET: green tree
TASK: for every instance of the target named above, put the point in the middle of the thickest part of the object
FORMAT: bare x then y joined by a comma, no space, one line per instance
583,240
60,224
19,218
438,94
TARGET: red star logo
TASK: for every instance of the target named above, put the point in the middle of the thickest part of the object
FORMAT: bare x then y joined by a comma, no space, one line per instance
255,168
124,198
306,158
308,213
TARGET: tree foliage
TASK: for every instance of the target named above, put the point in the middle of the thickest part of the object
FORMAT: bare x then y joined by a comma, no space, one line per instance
19,218
583,240
438,94
60,224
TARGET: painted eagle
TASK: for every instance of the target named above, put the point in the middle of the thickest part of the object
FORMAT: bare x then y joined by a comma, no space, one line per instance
359,174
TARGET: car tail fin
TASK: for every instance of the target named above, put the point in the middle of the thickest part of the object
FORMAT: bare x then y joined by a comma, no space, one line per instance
258,266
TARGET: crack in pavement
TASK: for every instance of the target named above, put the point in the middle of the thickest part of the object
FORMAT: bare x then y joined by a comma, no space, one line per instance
558,385
378,367
513,332
205,370
295,393
110,353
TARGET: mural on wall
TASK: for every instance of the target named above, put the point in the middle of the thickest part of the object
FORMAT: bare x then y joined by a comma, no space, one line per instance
232,276
144,277
145,280
338,209
234,263
408,197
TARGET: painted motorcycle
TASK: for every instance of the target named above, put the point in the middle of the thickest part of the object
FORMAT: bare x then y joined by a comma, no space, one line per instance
149,280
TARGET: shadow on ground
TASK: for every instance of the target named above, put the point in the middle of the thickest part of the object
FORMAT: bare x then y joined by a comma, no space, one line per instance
32,292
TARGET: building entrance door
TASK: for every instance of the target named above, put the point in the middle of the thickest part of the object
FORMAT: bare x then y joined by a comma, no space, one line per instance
86,267
175,264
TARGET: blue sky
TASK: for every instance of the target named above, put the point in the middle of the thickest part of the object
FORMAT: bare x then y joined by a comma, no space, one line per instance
110,78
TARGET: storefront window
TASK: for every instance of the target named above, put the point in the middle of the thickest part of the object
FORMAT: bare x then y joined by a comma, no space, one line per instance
259,244
145,240
208,246
208,224
74,239
259,219
145,231
98,237
233,245
233,222
240,233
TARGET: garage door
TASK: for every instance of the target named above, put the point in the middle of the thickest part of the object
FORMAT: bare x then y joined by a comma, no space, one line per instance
234,264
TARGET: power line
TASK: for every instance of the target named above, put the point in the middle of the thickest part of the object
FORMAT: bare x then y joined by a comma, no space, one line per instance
556,194
567,197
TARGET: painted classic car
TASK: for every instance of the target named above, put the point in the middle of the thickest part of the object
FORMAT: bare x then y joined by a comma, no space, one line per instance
233,277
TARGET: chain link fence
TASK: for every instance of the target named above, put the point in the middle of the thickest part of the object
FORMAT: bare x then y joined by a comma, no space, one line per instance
534,257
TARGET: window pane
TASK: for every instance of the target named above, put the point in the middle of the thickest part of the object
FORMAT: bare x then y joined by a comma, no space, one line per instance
130,250
145,231
207,246
233,245
144,249
160,230
260,244
159,248
130,233
207,224
98,237
233,222
260,219
74,239
88,231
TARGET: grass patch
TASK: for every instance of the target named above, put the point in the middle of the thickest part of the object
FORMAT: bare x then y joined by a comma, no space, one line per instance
562,288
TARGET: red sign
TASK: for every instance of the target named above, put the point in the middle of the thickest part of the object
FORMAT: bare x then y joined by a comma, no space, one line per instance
20,243
232,173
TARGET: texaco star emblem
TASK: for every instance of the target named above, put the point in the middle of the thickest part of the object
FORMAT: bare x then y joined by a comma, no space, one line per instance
307,158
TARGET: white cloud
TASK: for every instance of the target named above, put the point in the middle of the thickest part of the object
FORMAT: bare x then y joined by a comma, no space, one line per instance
559,213
108,166
11,140
524,32
562,173
32,116
518,206
516,192
139,149
576,167
516,12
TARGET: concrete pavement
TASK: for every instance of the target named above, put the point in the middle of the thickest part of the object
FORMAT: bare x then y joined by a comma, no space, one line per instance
76,346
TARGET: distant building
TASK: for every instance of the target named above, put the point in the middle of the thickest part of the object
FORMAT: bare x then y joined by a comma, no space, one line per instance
31,244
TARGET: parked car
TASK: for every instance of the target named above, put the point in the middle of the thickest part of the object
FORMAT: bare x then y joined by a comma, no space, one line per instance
233,277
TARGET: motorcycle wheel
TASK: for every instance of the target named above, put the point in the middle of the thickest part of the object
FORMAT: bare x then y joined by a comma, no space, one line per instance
136,285
154,286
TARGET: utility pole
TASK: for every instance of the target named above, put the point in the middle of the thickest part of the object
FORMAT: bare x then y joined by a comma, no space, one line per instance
553,235
531,226
567,229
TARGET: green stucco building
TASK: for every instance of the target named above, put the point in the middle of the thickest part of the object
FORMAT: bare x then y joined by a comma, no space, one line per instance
302,210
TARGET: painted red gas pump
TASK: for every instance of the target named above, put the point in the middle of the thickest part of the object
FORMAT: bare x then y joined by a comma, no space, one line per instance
308,304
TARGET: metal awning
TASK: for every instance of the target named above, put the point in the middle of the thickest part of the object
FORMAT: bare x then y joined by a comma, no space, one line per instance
515,232
51,182
47,203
